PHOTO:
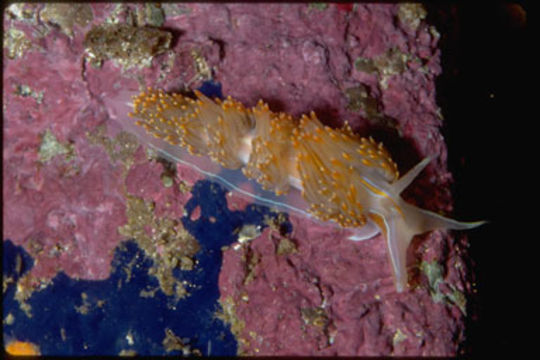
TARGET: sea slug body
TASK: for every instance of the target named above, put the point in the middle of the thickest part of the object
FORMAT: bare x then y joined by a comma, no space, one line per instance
332,174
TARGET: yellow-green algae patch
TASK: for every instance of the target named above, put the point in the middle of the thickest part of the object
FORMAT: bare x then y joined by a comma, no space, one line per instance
227,314
317,318
51,147
172,342
26,91
128,45
398,337
162,239
391,62
434,273
121,148
16,42
411,14
66,16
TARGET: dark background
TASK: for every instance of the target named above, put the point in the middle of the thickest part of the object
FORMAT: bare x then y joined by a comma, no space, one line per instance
482,94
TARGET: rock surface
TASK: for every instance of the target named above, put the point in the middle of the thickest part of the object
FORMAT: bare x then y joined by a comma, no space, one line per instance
295,288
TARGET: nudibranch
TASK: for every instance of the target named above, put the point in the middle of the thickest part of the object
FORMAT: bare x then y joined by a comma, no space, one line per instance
332,175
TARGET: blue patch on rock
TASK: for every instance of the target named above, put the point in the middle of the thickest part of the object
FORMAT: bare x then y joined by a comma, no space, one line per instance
81,317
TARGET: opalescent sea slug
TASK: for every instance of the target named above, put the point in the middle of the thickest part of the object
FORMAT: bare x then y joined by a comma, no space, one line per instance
329,175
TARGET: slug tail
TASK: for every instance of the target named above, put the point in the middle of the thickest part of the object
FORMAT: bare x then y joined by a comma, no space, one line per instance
398,236
399,230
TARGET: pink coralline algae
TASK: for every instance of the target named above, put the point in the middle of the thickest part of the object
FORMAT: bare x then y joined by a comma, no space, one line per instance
68,171
57,205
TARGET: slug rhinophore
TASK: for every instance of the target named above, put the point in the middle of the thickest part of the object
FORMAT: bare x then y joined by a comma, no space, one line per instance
330,175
